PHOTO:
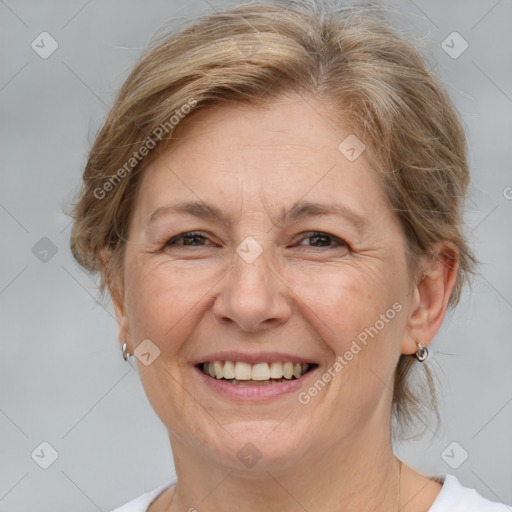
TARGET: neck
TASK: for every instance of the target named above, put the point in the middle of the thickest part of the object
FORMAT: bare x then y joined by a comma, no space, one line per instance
361,473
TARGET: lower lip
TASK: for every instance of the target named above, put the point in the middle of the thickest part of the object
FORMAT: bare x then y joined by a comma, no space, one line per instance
254,392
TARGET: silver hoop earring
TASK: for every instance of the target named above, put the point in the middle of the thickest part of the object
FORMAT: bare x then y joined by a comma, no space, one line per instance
422,353
126,354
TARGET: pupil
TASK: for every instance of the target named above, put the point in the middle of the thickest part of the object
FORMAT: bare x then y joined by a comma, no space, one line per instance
189,239
326,240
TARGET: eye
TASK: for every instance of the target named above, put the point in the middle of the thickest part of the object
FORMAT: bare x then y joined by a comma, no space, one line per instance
317,238
320,239
190,238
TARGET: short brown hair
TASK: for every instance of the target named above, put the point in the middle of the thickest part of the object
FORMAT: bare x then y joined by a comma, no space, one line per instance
372,79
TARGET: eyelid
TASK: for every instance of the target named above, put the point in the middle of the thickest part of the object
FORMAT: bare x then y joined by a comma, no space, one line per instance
308,234
186,234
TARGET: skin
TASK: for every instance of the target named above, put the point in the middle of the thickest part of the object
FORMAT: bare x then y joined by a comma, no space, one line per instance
302,296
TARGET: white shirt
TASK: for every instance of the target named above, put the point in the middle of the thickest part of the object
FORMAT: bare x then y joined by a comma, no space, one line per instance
452,498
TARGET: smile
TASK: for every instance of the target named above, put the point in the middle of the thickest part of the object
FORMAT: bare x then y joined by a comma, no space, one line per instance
259,374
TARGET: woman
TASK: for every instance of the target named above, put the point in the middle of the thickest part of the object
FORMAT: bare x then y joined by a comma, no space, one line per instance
274,205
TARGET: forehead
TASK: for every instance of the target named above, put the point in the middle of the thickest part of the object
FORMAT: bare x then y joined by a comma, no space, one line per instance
270,156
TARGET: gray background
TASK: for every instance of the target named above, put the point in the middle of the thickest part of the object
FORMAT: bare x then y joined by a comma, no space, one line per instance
63,379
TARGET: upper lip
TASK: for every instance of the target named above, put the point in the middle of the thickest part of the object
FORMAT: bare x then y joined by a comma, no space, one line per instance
252,357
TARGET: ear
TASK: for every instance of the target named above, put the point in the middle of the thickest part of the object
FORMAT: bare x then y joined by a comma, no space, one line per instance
431,296
117,298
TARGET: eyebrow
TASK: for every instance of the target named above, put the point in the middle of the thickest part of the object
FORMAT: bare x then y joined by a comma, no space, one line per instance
300,209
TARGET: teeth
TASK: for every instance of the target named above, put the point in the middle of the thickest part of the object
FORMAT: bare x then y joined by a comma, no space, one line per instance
219,373
229,370
260,371
241,371
276,370
288,370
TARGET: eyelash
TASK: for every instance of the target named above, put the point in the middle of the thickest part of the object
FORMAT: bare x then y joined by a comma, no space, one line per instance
312,234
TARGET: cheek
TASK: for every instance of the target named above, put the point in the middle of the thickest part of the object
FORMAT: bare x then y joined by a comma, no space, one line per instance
165,299
163,306
348,303
359,315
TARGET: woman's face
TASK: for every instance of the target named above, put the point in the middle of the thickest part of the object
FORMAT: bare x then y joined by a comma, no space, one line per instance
275,281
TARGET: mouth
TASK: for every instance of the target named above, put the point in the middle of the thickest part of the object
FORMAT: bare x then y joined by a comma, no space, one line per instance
240,373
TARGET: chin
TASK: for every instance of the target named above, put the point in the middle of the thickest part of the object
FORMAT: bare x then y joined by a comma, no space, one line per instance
258,446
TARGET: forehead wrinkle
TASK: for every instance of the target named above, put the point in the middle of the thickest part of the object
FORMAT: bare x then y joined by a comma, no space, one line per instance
301,209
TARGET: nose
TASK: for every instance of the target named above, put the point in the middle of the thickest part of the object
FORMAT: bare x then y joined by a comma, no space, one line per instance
253,296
